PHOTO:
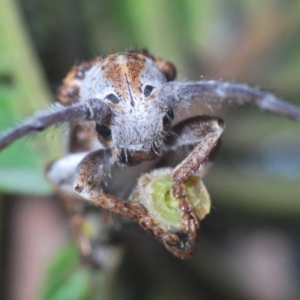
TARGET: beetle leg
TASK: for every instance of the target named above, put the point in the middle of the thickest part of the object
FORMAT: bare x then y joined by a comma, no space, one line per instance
205,131
60,174
86,184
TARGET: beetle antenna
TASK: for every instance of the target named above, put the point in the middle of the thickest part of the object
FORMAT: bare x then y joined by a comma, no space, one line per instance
218,91
90,110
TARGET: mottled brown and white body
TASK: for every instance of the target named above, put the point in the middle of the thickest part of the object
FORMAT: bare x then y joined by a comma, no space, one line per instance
121,109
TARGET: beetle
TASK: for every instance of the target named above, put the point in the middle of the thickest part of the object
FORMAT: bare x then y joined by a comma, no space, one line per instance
128,101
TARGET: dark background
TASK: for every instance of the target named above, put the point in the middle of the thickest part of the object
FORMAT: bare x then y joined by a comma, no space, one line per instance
248,247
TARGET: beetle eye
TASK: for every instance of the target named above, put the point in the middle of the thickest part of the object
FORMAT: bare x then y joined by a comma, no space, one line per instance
103,130
168,118
148,90
113,98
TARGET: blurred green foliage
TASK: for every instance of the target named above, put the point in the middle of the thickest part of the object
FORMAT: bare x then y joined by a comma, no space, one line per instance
67,279
22,90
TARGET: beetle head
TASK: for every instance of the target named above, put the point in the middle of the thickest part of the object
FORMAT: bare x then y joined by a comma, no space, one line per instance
130,84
